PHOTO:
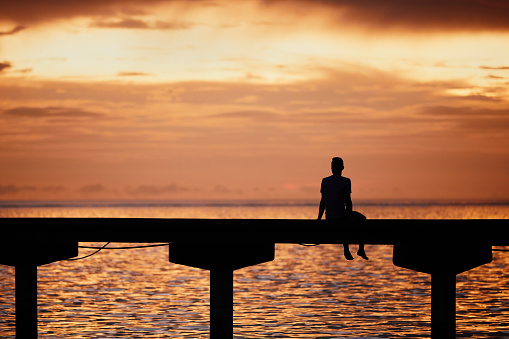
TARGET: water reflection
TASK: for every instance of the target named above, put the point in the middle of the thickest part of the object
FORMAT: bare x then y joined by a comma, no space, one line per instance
307,292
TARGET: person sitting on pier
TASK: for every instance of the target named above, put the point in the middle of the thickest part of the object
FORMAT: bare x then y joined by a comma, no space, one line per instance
336,202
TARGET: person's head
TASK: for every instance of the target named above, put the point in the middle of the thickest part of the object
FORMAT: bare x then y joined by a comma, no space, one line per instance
337,165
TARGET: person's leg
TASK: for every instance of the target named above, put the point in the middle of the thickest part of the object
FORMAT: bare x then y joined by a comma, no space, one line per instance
361,252
360,218
346,249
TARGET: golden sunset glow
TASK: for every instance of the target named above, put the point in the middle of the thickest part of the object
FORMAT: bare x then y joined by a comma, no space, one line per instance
251,99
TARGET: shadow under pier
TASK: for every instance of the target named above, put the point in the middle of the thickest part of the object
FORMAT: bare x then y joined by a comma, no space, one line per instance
442,248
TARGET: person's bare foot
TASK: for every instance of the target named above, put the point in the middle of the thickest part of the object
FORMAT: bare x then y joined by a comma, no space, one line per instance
362,254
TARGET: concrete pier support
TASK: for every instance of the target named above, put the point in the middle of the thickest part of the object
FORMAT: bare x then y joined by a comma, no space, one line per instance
25,255
221,259
443,306
443,259
221,304
26,301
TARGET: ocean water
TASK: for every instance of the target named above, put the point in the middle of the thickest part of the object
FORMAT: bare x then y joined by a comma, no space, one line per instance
306,292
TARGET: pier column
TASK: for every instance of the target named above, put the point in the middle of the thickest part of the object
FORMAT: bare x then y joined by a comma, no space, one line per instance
443,306
25,252
221,259
443,259
221,304
26,301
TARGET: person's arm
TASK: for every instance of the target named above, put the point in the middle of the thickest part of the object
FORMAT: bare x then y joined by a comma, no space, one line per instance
321,209
348,205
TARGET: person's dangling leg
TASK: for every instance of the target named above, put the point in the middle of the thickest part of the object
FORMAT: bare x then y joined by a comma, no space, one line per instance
361,252
360,219
346,249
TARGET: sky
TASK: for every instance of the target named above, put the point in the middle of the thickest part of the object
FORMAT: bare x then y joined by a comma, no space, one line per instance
250,99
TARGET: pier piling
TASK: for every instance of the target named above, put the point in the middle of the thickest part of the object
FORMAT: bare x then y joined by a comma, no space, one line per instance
221,304
26,301
443,306
443,258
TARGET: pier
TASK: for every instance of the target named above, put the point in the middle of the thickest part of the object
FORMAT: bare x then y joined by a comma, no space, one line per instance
225,245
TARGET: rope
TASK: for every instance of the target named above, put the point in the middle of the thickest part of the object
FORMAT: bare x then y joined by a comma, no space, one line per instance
91,254
112,248
124,247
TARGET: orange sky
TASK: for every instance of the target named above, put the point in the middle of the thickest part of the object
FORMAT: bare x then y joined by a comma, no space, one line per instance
110,99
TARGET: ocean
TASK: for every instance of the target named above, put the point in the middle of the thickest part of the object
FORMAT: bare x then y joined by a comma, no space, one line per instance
306,292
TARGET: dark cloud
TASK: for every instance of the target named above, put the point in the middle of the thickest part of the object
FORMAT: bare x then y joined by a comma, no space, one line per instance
35,11
39,11
45,112
386,14
15,30
417,14
4,65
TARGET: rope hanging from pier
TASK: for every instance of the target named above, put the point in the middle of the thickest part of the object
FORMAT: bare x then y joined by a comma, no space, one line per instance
112,248
91,254
125,247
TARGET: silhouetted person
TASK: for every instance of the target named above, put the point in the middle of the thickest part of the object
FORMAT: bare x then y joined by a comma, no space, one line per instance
336,202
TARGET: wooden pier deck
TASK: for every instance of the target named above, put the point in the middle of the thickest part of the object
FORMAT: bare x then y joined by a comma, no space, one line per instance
224,245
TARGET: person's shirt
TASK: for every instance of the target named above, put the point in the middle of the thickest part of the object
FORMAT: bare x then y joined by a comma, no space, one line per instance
335,190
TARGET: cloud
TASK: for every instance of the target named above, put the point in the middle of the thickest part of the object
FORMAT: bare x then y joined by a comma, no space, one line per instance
501,68
15,30
4,65
464,112
473,120
131,74
222,189
15,189
388,14
153,190
463,15
252,115
11,189
25,70
494,77
45,112
130,23
92,189
124,23
36,11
